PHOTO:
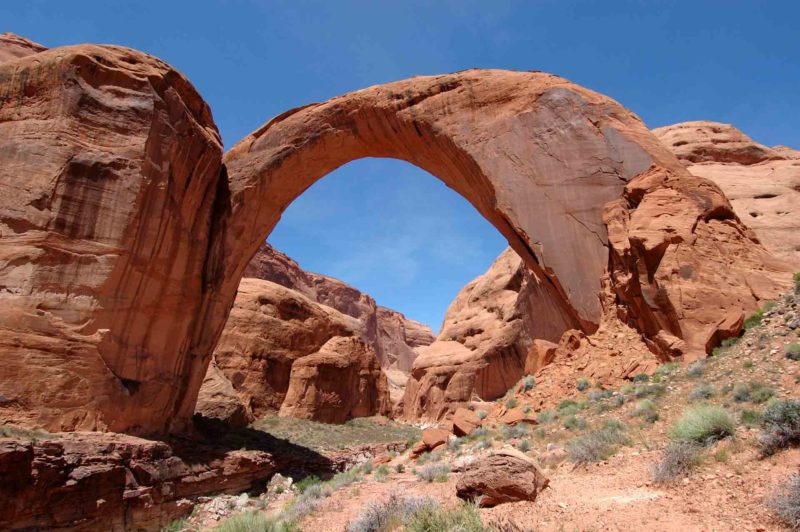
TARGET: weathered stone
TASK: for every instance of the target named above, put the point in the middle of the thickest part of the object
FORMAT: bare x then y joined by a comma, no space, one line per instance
503,476
465,421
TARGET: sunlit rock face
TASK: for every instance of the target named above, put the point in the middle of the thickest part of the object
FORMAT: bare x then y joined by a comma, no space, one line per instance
762,183
123,239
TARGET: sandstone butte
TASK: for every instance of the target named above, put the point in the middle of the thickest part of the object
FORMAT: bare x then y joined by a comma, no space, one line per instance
124,232
306,345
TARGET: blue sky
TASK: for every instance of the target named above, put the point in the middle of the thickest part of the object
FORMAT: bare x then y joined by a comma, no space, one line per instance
389,228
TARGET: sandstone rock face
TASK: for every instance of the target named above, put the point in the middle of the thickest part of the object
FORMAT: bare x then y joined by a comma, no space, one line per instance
13,46
88,481
505,476
762,184
218,399
109,182
340,381
487,341
392,335
282,352
123,240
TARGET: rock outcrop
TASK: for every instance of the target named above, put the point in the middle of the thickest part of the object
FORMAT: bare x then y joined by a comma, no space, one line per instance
487,340
762,184
282,352
284,321
110,183
503,476
123,239
13,47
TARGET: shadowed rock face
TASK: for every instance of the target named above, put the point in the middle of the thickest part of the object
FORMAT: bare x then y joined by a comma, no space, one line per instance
123,240
762,184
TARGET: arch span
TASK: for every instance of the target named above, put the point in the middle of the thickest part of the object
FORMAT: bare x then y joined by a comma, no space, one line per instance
124,237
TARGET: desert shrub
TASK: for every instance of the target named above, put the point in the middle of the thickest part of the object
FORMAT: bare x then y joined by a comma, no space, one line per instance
696,369
508,432
429,457
574,422
462,518
754,320
512,403
400,468
433,472
785,502
545,416
528,383
179,525
302,485
526,409
382,472
366,468
797,283
666,369
566,403
793,352
701,391
748,364
582,384
749,417
598,444
390,514
481,414
641,377
781,422
479,432
455,444
524,446
483,444
677,460
618,401
254,522
754,392
646,409
703,424
650,390
540,433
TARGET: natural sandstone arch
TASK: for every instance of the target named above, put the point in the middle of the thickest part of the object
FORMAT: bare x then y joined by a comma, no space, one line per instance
124,239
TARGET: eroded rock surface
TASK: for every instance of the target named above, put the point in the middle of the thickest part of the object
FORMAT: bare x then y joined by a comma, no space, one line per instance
503,476
487,340
762,184
283,352
109,176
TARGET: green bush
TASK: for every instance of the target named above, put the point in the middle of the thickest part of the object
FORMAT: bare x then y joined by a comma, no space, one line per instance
703,424
666,369
641,377
545,416
754,320
254,522
701,391
754,392
696,369
749,418
179,525
582,384
528,383
524,446
462,518
433,473
797,283
647,410
781,422
793,352
512,403
302,485
481,414
574,422
599,444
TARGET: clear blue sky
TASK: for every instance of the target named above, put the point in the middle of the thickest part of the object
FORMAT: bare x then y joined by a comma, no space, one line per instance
389,228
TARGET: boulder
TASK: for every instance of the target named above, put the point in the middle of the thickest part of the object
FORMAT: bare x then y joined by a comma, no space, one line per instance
503,476
219,400
433,438
516,415
465,421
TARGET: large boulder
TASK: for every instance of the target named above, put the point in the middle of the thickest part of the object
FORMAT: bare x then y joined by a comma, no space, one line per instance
503,476
762,184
